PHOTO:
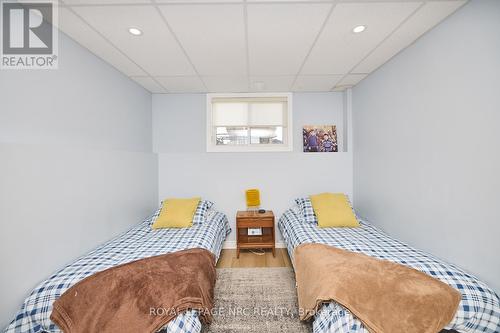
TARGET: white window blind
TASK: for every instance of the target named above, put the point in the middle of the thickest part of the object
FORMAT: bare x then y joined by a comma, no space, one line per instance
265,114
230,114
249,112
248,123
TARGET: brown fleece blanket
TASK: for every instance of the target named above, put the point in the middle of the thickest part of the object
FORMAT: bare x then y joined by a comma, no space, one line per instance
140,296
385,296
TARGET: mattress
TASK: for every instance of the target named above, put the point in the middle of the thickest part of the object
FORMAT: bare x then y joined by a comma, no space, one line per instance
137,243
479,309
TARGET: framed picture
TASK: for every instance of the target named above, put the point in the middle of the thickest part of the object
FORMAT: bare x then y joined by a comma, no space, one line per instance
320,139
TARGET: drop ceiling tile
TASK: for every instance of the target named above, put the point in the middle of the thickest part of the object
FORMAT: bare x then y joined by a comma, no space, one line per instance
182,84
226,84
105,2
278,1
149,84
338,49
79,31
271,83
156,50
351,80
212,35
315,82
280,36
425,19
198,1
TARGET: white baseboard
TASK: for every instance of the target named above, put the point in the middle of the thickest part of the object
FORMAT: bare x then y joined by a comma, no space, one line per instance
232,245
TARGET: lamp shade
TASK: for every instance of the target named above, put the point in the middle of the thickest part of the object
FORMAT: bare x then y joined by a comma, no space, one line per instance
253,198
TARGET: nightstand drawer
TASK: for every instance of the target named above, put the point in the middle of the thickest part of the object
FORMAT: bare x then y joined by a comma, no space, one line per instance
255,222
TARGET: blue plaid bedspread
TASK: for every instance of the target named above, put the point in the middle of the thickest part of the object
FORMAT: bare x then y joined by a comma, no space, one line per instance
138,242
479,309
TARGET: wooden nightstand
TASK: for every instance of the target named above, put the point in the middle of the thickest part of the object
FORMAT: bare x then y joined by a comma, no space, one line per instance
251,219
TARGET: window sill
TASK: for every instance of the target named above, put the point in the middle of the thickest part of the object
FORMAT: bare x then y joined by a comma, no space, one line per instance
248,149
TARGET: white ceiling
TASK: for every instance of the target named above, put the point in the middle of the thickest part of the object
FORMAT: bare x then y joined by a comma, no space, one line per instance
249,45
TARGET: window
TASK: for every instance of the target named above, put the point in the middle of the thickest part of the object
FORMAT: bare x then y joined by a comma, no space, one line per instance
249,122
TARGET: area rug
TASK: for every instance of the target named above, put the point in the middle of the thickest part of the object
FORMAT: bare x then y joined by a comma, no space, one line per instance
256,300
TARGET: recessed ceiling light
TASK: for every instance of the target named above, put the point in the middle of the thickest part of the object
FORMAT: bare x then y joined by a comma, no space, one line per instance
135,31
359,28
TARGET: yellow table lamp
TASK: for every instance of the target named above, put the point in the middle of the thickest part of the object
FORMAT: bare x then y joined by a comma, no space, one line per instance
253,199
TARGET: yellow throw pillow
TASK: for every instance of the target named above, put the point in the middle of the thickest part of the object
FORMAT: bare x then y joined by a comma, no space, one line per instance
176,213
333,210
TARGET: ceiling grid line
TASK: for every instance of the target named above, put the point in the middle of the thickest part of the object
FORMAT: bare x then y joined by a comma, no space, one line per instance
257,2
327,18
113,45
247,51
381,42
174,35
194,3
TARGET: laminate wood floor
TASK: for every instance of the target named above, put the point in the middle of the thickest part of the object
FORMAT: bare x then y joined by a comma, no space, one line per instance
248,259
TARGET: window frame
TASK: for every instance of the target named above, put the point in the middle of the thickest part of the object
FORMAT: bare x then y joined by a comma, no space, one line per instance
212,147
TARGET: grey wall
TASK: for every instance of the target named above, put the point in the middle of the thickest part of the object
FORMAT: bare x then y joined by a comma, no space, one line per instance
427,143
186,169
76,166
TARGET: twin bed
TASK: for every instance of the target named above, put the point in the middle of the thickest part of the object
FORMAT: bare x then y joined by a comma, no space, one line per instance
137,243
479,309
